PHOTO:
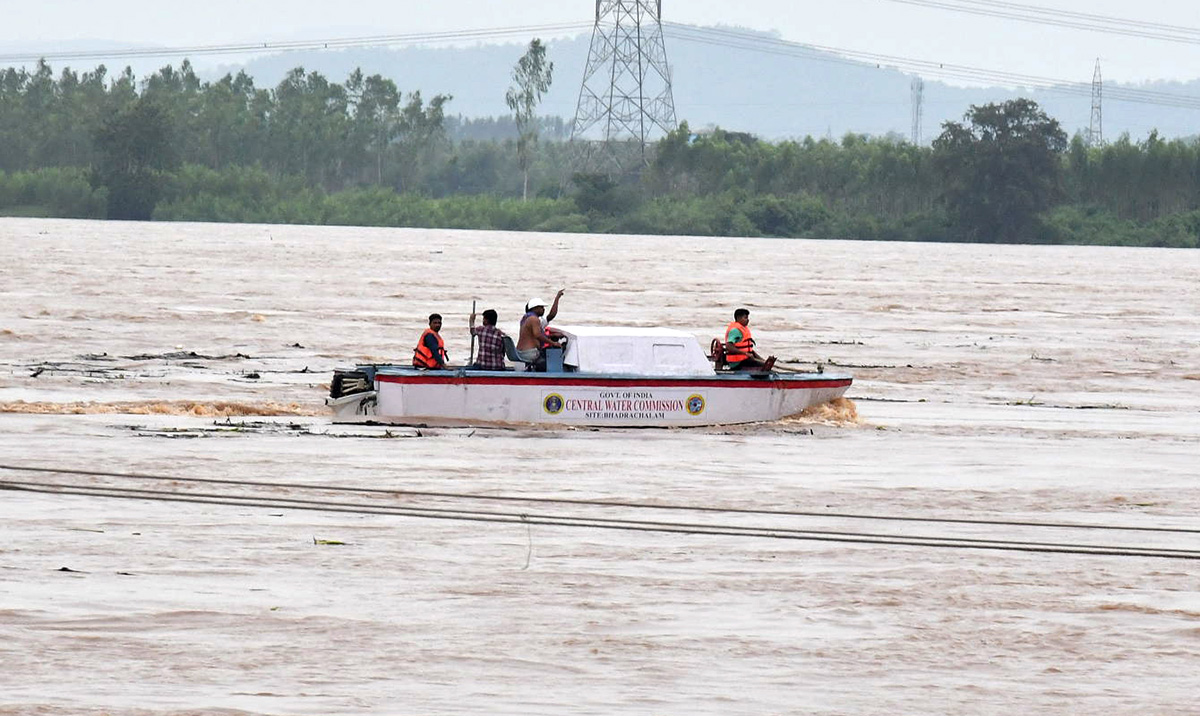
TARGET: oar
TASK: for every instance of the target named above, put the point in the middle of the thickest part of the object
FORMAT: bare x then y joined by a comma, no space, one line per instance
786,369
471,358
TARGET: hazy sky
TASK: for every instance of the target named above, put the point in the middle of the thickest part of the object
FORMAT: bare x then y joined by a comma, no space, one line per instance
880,26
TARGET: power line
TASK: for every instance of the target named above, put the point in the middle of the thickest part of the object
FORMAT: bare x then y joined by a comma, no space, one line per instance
460,512
580,502
1062,18
710,36
755,42
423,38
719,530
1070,13
758,43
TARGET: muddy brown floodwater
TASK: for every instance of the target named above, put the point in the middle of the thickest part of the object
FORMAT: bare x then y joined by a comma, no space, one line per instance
1009,387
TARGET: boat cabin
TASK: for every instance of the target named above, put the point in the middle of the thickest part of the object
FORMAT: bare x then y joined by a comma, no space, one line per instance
631,351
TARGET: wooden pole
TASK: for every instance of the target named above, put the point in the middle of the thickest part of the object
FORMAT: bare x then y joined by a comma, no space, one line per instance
471,358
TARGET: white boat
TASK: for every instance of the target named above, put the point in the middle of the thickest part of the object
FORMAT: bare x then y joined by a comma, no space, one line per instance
614,377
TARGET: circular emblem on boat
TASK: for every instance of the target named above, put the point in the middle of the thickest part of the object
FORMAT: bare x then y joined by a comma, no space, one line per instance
695,404
553,404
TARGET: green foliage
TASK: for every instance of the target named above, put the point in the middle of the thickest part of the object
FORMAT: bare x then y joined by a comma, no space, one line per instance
1094,226
1179,231
878,176
531,77
238,194
1141,181
564,223
253,195
243,194
1001,171
311,150
134,151
595,193
53,193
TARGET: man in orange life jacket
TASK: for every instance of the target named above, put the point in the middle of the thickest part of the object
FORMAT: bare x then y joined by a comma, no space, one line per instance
739,344
430,352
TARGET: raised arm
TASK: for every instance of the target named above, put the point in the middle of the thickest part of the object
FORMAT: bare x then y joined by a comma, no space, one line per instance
554,308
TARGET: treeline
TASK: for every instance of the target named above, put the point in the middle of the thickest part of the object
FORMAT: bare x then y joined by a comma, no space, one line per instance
500,129
173,147
365,130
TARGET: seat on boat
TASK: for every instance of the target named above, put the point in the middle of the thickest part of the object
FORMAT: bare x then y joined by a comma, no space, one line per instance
510,351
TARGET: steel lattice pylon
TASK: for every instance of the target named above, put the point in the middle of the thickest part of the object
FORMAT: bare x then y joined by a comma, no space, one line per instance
625,99
918,104
1095,132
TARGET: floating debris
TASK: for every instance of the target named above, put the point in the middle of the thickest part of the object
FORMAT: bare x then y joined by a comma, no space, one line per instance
185,355
214,409
230,427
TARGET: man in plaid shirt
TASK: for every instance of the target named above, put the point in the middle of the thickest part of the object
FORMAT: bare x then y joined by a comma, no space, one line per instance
491,342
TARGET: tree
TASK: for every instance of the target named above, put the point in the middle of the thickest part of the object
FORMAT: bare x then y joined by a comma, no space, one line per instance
420,135
599,194
1002,170
228,128
180,94
134,150
532,75
308,128
376,103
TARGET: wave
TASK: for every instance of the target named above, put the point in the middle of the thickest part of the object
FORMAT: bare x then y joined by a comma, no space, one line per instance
839,412
1144,609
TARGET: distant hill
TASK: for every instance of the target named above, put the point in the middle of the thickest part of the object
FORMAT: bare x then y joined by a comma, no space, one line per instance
769,95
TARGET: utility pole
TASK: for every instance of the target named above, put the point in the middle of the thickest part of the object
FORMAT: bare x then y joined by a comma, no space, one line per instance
625,99
918,101
1096,128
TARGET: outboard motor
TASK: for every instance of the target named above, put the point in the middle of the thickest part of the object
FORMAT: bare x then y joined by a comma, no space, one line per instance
349,382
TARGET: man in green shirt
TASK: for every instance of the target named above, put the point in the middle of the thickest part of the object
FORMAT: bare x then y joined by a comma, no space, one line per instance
739,345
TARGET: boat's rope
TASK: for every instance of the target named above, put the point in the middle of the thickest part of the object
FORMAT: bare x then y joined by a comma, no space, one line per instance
596,503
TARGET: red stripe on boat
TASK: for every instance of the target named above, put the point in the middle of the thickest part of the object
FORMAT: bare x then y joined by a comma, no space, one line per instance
615,382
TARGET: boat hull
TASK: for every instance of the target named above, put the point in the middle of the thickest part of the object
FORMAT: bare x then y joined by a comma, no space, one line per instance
404,396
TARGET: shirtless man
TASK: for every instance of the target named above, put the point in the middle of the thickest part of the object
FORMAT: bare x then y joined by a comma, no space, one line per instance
533,336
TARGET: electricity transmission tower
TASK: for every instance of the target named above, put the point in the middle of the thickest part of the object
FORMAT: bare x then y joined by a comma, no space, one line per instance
625,98
1096,128
918,100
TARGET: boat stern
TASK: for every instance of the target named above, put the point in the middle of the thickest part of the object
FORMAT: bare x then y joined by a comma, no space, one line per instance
352,395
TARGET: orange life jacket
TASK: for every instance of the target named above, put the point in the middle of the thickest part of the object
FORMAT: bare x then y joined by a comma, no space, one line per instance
422,357
746,344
